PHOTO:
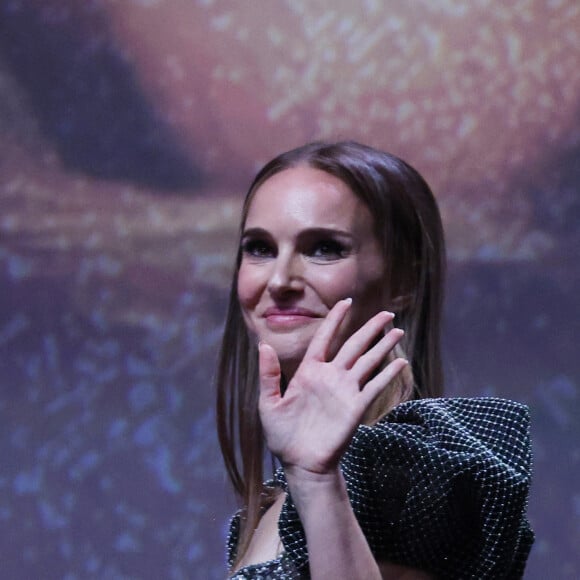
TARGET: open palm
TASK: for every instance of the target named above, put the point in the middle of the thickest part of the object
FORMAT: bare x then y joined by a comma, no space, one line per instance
312,424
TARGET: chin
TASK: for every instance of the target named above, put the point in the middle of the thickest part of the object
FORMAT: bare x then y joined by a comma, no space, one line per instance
290,352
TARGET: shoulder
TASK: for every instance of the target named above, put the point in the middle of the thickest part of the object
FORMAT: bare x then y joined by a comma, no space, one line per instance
461,429
479,413
427,479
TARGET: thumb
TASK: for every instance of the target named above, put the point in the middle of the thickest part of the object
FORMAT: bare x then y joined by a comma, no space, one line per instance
269,371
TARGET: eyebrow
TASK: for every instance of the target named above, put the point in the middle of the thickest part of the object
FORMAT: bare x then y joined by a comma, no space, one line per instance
257,232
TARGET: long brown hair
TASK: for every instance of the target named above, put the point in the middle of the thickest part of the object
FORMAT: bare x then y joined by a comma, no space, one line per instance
408,226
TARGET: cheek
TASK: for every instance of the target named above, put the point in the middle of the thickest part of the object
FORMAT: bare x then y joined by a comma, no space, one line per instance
249,285
336,283
360,284
367,293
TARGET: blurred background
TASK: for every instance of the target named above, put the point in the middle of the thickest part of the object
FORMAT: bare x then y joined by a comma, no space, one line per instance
129,132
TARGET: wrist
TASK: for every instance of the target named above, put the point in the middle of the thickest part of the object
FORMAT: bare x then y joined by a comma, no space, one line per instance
308,487
307,477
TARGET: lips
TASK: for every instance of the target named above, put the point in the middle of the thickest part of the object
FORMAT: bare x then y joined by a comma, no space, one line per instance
289,317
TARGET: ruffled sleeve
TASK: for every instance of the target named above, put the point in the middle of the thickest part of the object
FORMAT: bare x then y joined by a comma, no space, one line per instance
440,485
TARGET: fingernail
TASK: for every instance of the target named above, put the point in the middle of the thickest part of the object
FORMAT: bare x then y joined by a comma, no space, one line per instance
348,300
390,316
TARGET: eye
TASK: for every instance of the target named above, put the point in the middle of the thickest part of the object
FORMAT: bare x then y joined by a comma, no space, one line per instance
328,250
257,248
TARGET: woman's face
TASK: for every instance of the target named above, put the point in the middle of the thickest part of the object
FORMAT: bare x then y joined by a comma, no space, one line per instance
308,242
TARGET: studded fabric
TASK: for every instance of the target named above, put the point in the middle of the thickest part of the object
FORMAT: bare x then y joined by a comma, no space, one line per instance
438,484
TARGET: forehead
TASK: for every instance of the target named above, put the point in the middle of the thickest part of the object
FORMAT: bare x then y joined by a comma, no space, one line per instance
307,197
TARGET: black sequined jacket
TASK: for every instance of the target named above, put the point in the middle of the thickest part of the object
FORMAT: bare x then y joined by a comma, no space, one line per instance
438,484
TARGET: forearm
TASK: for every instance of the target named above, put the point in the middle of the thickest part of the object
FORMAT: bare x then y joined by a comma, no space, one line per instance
337,547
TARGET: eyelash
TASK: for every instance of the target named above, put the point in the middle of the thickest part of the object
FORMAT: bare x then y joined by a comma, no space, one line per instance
328,249
325,249
257,249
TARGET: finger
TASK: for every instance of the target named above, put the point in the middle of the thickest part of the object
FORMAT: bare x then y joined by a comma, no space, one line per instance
360,341
369,361
269,371
320,343
378,384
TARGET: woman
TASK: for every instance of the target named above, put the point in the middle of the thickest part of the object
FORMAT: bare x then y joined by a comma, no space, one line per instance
330,346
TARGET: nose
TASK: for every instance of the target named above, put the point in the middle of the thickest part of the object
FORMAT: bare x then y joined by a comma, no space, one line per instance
286,275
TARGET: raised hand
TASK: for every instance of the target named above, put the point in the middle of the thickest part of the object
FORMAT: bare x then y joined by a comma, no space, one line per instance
312,424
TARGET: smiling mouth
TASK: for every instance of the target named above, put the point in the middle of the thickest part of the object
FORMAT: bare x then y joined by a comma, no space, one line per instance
284,319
